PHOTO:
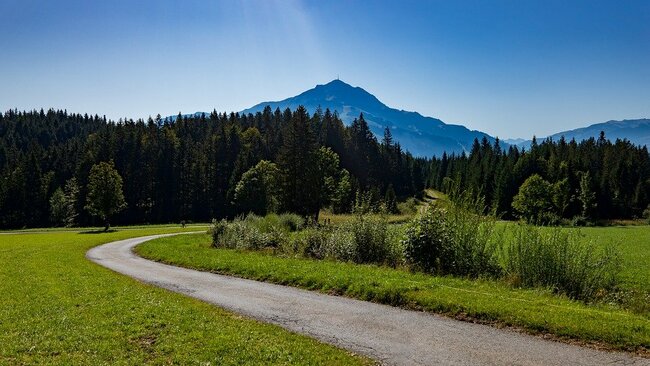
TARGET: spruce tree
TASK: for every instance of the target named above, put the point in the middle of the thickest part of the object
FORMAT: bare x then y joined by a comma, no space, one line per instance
298,162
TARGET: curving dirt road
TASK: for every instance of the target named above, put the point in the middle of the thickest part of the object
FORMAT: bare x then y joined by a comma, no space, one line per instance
388,334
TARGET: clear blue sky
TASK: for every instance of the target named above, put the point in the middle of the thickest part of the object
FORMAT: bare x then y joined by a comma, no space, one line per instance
510,68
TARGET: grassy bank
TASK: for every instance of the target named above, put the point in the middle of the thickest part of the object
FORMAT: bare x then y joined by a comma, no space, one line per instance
536,311
56,307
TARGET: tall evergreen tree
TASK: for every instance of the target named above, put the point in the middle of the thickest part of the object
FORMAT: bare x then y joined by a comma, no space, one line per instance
298,162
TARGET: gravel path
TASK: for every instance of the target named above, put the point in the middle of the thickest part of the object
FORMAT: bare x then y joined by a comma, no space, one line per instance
390,335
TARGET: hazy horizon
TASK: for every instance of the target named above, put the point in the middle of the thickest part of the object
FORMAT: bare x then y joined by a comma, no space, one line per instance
509,69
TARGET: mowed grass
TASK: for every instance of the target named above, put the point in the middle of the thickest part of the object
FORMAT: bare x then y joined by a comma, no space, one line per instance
195,226
56,307
495,302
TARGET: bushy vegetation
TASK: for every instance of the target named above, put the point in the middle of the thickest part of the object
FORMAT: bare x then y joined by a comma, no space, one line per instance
452,241
454,238
367,239
457,241
255,232
561,261
445,239
409,206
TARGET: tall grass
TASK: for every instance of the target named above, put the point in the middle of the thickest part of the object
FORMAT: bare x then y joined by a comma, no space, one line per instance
367,239
458,239
450,239
255,232
560,260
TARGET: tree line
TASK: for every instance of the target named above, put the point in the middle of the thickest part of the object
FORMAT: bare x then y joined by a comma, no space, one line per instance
553,181
221,165
196,168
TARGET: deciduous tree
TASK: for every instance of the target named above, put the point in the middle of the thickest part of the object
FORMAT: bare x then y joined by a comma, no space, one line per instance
105,196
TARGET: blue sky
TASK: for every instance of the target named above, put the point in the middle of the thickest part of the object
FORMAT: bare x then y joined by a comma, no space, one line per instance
510,68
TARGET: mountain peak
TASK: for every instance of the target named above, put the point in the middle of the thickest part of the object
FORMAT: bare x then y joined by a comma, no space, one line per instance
337,82
340,93
340,86
422,136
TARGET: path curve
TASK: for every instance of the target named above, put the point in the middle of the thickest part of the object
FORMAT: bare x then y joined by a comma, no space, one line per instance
391,335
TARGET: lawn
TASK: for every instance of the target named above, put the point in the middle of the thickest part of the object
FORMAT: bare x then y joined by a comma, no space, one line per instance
56,307
536,311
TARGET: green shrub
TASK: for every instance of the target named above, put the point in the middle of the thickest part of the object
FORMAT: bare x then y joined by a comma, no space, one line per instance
395,252
274,222
240,234
410,206
580,221
646,214
262,223
292,221
217,230
341,245
252,232
453,240
371,238
367,239
561,261
310,242
471,246
424,239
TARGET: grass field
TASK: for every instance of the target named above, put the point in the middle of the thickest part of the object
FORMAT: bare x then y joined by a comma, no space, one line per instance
536,311
197,226
56,307
633,242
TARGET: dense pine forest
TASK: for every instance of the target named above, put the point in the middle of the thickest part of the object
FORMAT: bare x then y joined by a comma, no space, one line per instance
195,169
221,165
554,181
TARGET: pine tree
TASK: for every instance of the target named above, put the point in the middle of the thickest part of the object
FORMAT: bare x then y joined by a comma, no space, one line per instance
390,200
298,162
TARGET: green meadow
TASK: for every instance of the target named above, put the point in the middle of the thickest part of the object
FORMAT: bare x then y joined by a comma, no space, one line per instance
57,307
633,243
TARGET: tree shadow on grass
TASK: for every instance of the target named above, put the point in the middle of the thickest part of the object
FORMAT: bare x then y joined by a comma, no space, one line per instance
98,231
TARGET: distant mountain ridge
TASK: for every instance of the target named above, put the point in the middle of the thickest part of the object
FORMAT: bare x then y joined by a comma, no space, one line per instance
637,131
422,136
428,136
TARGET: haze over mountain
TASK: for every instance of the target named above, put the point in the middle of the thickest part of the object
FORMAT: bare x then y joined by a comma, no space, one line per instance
428,136
421,135
637,131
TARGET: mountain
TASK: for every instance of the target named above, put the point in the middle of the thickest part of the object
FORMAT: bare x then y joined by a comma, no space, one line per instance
515,141
635,130
422,136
